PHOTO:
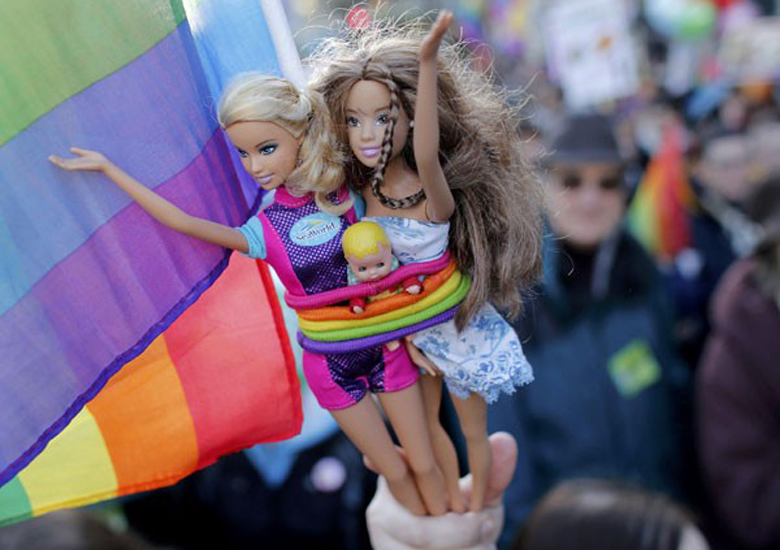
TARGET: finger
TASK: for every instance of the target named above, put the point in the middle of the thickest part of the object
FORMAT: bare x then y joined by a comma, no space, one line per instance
385,516
393,527
504,459
462,531
65,164
80,151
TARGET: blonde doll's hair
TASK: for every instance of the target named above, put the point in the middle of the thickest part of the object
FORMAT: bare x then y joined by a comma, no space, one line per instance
496,230
253,96
363,239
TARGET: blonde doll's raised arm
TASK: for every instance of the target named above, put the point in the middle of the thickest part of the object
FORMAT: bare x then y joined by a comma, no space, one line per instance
440,202
160,209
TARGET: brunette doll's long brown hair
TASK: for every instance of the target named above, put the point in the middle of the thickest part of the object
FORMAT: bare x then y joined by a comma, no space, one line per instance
496,230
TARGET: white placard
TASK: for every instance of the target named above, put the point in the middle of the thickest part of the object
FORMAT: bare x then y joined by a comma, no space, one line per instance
590,51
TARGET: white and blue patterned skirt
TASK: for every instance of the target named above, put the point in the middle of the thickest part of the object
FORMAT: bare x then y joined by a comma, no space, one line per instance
485,358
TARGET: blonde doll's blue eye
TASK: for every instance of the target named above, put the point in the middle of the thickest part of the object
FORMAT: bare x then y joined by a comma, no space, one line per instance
268,149
361,269
242,153
352,121
382,119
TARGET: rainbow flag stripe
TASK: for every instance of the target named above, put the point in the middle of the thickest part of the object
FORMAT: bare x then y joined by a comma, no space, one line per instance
90,281
197,392
658,214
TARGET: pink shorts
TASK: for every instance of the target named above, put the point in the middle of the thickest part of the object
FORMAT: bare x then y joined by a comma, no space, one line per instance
339,381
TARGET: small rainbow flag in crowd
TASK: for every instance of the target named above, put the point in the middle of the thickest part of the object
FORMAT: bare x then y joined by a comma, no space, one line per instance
91,284
658,214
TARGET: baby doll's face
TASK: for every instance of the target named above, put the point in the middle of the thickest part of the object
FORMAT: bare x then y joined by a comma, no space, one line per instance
372,267
368,113
268,151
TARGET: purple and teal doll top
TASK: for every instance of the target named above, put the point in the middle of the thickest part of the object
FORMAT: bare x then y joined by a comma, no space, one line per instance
302,242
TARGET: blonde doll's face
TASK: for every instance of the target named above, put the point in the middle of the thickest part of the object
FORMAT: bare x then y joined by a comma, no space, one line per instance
368,113
372,267
268,151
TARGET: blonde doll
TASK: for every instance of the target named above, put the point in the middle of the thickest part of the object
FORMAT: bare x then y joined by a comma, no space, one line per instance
436,155
284,140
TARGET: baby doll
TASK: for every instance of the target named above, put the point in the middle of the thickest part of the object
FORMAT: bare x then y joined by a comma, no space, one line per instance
284,140
370,258
450,176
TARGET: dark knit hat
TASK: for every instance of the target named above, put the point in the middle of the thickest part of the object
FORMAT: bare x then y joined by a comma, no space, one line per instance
585,138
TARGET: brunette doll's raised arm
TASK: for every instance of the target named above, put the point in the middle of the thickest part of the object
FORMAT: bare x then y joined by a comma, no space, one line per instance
440,202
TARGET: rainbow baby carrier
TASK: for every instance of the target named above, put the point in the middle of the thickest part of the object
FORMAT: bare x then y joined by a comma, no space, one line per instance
327,327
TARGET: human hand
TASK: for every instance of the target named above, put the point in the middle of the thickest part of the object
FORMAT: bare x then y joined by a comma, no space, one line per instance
429,48
393,527
86,160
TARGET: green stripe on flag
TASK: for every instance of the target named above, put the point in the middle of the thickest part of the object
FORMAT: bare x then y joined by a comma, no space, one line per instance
14,505
50,51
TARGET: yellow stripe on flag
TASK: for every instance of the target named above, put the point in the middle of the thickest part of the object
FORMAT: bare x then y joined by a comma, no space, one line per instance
76,463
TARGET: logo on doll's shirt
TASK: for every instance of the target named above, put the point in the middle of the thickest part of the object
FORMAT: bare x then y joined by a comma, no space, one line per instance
315,229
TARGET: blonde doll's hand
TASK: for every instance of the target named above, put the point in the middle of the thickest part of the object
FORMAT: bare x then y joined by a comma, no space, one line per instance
86,160
392,527
419,358
430,44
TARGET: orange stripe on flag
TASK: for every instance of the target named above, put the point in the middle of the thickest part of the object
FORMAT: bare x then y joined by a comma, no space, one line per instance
146,423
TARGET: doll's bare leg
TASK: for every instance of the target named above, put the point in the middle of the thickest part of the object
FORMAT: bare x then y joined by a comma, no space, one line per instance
406,413
443,448
365,427
472,413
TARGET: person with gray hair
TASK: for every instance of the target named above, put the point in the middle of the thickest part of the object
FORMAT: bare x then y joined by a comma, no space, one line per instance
609,396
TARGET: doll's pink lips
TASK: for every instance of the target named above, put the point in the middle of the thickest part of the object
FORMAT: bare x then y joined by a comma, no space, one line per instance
265,179
370,151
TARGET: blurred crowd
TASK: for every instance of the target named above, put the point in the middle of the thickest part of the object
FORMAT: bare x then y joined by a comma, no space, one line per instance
655,332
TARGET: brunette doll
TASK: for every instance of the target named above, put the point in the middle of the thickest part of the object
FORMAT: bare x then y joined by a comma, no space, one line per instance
284,140
436,155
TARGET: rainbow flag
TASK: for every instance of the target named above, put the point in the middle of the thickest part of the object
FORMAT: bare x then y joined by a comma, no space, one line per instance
220,379
90,282
658,213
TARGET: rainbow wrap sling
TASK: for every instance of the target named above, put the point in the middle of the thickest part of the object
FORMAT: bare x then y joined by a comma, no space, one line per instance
327,327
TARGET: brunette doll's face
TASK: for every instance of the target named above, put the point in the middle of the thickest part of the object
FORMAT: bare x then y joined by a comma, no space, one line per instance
268,151
368,113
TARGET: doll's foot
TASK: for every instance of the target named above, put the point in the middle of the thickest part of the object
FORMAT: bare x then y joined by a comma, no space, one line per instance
357,310
415,289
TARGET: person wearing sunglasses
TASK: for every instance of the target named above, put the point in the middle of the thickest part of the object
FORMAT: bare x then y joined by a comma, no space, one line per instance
609,392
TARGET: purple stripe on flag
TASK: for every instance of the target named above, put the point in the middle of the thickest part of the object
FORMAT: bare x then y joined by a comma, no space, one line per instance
151,117
91,313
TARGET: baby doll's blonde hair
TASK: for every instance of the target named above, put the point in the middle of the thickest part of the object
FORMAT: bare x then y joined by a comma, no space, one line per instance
496,230
253,96
363,239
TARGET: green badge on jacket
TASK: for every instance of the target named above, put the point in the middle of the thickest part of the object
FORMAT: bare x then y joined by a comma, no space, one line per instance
634,368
